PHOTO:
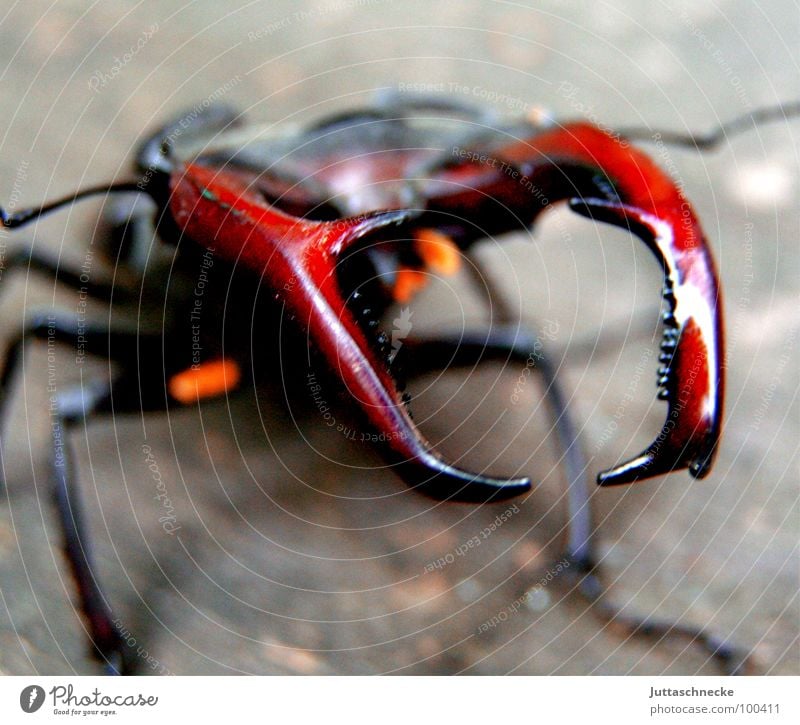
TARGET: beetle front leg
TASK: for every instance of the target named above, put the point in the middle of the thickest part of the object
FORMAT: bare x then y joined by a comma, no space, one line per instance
33,260
137,388
108,644
503,343
508,342
64,329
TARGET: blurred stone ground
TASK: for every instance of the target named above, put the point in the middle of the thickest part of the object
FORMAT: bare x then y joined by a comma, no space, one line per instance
292,558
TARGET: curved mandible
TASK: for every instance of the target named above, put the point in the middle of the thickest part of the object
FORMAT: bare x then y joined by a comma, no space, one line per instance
297,258
603,177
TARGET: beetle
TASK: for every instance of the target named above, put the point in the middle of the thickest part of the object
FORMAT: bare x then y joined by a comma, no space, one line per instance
339,221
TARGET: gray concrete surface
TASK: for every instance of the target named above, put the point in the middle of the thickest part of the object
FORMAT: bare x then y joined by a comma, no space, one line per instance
292,558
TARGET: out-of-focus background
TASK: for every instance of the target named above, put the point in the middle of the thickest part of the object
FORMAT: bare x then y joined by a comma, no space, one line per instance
293,559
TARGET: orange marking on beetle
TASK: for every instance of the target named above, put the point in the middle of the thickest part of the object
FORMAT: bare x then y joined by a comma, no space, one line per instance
205,380
409,281
438,251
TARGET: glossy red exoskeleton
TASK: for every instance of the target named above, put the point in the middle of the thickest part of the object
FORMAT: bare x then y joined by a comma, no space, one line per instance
337,222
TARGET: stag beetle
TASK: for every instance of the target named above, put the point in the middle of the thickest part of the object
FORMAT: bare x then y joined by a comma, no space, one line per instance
339,221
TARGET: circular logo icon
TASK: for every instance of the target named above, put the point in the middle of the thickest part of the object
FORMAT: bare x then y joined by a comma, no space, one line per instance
31,698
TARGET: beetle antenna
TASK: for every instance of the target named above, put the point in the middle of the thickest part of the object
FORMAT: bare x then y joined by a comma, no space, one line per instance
12,220
711,140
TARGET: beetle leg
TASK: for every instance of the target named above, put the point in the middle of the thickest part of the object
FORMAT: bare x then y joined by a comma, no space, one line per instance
505,342
731,660
130,237
58,328
396,104
34,260
73,406
137,388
